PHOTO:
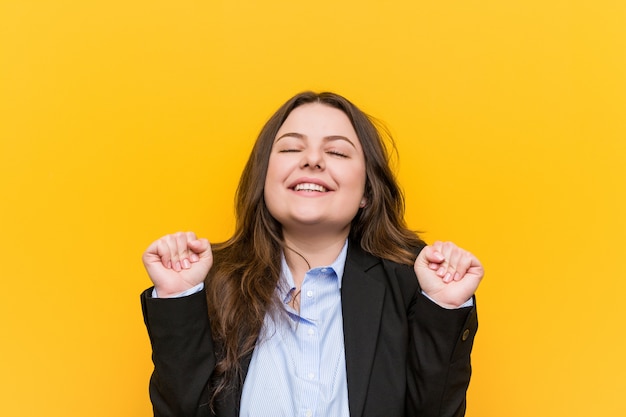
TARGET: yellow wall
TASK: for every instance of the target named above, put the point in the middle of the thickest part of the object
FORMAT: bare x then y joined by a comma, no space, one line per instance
124,120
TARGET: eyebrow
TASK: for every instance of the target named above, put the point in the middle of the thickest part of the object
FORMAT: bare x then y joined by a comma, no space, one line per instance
326,138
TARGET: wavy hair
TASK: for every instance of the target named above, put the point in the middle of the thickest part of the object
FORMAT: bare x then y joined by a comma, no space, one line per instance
242,282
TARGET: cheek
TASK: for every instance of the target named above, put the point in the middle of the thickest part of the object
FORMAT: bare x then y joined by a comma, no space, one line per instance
355,183
269,196
276,165
359,178
271,172
273,181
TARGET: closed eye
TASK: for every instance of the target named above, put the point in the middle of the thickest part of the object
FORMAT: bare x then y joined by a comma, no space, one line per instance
337,153
289,150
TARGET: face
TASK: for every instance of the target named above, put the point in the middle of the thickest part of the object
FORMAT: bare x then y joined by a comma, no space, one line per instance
316,172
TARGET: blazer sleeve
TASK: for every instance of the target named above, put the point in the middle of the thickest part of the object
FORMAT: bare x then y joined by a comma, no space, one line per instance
438,362
182,353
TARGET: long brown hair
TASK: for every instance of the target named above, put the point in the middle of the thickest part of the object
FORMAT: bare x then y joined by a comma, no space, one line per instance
242,282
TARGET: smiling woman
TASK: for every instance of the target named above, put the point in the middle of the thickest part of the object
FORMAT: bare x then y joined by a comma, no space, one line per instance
322,302
315,180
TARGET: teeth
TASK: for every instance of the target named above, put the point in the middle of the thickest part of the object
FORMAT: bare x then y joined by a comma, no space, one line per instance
307,186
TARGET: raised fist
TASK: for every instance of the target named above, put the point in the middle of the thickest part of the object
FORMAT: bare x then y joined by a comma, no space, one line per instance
177,262
448,274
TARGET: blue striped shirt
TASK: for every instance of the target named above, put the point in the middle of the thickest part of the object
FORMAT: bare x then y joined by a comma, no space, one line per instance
298,368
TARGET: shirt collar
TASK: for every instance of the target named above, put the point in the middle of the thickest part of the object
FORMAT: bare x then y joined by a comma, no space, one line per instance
286,284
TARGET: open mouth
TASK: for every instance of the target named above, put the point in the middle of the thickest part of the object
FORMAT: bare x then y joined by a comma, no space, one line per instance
307,186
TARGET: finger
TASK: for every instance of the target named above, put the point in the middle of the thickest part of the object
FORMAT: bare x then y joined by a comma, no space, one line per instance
448,250
442,270
164,252
431,255
438,246
192,254
442,267
173,242
152,255
442,264
191,236
199,248
183,252
463,265
453,256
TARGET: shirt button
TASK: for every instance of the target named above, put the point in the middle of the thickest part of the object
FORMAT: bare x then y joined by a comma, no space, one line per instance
324,270
309,293
308,413
311,375
311,332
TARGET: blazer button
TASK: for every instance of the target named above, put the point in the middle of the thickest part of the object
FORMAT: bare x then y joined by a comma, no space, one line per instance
465,335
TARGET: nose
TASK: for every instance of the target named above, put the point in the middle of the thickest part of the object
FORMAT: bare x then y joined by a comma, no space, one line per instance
313,159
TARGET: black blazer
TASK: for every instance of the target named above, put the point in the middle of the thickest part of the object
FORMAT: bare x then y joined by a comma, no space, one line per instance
405,355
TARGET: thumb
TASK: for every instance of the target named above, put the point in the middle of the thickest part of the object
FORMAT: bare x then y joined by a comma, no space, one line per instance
201,248
430,255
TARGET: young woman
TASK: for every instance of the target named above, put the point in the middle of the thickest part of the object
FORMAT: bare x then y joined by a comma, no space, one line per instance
322,303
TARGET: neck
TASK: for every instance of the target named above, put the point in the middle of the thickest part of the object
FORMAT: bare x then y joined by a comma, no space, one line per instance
306,252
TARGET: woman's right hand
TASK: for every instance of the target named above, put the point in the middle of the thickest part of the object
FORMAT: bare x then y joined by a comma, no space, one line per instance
177,262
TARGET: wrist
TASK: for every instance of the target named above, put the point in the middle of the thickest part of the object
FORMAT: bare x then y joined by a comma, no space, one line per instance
164,292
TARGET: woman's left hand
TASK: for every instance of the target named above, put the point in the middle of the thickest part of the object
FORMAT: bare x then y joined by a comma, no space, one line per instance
448,274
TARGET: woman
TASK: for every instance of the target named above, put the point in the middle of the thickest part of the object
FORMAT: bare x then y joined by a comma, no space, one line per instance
322,303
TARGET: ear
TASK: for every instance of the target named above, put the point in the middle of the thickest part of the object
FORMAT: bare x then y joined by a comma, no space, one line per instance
363,202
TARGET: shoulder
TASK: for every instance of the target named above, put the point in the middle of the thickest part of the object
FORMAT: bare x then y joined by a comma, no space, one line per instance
359,258
399,279
403,276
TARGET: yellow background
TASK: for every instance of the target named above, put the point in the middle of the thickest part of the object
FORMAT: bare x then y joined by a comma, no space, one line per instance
121,121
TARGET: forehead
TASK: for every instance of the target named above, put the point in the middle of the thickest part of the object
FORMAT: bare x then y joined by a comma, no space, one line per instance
318,119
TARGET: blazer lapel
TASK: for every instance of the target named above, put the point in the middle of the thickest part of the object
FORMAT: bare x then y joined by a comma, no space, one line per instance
229,402
362,295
